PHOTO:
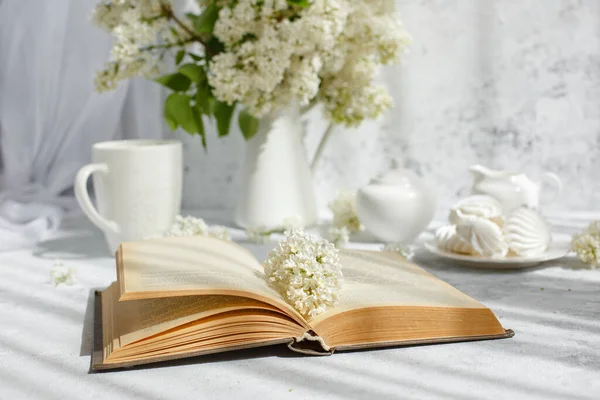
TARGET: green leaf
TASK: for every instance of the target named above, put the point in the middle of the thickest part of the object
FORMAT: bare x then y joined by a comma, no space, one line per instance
203,99
205,22
170,118
195,57
179,110
212,105
177,82
248,124
299,3
191,16
179,57
194,72
223,113
174,32
200,124
214,45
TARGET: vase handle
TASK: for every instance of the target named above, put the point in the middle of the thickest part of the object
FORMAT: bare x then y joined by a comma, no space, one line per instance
320,148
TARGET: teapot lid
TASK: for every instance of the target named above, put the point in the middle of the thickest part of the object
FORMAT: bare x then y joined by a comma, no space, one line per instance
397,174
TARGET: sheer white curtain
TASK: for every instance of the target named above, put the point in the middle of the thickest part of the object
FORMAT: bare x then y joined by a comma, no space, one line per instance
50,115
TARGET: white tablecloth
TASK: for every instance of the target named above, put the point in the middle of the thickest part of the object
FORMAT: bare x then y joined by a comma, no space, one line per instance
46,337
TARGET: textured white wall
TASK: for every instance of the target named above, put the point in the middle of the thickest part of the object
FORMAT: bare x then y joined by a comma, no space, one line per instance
511,84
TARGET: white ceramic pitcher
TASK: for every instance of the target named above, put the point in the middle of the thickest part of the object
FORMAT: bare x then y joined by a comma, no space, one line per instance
276,181
514,189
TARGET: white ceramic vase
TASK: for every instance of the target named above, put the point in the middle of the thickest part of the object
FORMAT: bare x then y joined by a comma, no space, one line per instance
276,182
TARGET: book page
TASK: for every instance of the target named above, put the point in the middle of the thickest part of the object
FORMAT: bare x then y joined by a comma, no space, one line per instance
199,265
375,279
136,320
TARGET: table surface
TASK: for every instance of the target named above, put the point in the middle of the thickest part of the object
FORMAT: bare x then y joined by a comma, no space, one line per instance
46,338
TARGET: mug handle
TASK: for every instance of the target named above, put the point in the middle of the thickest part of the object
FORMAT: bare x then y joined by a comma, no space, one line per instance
554,181
83,198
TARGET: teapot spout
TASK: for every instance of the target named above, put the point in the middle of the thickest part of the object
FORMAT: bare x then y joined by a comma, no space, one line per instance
480,172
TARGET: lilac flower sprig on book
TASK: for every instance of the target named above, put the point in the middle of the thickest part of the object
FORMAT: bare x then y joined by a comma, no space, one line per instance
306,272
260,55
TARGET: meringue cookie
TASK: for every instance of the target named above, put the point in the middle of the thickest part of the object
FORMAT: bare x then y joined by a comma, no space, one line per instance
482,206
526,232
447,239
483,235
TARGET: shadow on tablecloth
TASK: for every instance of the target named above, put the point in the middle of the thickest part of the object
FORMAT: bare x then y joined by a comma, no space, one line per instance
85,245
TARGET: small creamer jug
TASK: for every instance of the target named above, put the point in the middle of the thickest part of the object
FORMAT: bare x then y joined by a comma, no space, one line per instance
514,189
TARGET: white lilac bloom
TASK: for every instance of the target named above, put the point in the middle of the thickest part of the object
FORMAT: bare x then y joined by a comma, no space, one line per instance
262,234
188,226
219,232
343,208
258,235
60,274
295,222
340,236
274,52
192,226
403,250
140,32
345,220
587,244
330,51
306,271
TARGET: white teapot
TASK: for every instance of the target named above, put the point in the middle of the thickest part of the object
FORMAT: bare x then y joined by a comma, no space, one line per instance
396,206
513,189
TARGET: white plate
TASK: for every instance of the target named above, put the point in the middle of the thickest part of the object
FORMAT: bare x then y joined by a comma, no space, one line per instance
555,252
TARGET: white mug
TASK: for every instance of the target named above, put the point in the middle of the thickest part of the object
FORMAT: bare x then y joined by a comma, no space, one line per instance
138,187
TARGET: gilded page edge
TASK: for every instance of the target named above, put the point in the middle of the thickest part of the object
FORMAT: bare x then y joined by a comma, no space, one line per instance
508,333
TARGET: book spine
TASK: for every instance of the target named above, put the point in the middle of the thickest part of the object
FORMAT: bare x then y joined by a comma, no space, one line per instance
310,343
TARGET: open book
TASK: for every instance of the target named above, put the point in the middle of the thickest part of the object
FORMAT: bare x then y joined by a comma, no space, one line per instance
182,297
